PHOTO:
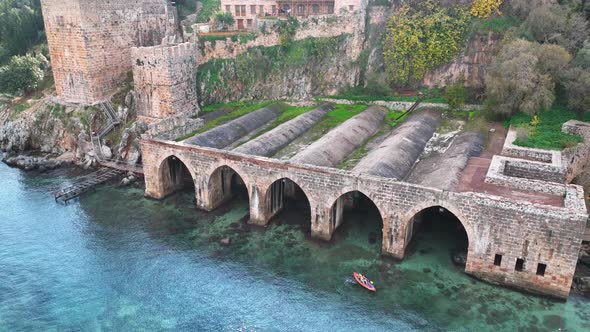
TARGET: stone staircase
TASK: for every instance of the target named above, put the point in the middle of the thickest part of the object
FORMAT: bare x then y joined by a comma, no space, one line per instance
112,120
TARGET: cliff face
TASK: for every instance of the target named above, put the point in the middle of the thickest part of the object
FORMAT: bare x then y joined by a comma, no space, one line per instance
470,65
330,64
308,68
44,127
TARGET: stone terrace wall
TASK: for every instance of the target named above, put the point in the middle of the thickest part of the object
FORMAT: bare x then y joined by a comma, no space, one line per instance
164,80
172,128
90,42
535,233
318,26
578,157
526,175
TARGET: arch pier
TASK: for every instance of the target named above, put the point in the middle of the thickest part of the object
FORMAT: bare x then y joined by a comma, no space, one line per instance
516,243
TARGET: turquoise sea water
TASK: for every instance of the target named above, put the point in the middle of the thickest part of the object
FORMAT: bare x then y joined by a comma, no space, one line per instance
115,261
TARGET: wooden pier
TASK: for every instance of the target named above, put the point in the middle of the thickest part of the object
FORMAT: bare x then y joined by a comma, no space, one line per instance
85,184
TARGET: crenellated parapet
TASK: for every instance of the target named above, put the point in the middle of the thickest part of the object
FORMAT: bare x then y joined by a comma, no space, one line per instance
164,78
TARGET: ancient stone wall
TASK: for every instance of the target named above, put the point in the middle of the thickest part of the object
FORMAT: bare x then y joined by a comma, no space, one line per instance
173,127
164,80
577,158
317,27
90,42
535,233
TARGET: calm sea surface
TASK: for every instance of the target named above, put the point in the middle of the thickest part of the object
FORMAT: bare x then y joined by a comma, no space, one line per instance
116,261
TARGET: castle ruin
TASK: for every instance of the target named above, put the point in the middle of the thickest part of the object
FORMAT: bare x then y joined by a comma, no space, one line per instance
91,41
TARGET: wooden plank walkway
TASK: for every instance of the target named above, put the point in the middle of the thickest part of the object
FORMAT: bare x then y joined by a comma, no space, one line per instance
85,184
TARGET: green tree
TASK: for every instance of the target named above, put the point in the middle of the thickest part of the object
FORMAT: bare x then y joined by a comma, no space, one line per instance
421,38
523,76
577,89
22,74
582,58
223,20
455,95
20,25
557,25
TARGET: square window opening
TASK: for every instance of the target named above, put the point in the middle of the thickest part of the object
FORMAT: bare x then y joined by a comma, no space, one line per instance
519,265
541,269
498,260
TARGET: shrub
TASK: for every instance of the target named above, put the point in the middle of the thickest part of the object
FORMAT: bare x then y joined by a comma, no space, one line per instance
22,74
522,77
223,20
421,38
455,95
485,8
556,25
577,89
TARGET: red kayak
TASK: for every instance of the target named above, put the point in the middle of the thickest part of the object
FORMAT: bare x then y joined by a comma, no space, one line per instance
363,281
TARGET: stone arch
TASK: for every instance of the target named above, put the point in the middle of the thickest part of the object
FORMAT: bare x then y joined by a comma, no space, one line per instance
347,199
223,183
173,174
278,193
407,223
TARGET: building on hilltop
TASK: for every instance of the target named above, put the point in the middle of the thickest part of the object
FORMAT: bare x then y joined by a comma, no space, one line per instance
247,12
90,42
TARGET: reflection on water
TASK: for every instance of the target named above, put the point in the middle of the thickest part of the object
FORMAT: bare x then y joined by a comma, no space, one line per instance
118,261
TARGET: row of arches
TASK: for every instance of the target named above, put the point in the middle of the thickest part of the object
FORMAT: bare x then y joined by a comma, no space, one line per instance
285,196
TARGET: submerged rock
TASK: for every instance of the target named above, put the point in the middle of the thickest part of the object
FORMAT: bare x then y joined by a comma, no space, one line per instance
225,241
460,258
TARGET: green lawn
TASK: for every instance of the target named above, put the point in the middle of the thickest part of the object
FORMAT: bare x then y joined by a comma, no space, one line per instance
496,24
547,135
432,96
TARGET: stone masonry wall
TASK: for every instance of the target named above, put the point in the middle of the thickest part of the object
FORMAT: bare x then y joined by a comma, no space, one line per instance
173,127
164,80
317,27
90,42
577,158
538,234
542,172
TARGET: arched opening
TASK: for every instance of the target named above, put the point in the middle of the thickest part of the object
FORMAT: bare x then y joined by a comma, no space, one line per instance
439,232
224,185
287,203
355,215
175,176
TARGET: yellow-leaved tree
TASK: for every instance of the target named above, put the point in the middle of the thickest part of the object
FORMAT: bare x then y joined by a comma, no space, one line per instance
485,8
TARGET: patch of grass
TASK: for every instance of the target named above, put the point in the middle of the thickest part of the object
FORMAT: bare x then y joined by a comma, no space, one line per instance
340,114
238,109
431,96
547,135
241,37
496,24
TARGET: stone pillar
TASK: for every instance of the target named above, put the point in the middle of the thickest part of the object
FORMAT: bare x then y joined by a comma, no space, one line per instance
202,194
394,237
259,212
322,227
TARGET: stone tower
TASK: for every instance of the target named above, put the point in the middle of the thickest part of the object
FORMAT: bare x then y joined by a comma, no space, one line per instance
90,42
165,80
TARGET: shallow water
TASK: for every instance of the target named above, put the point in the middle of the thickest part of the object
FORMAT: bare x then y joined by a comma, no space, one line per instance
117,261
